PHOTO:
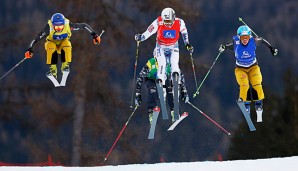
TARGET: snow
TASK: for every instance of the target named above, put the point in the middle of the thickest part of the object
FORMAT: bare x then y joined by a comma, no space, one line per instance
274,164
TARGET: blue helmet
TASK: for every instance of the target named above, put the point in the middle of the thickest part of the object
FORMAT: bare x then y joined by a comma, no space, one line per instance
58,19
244,31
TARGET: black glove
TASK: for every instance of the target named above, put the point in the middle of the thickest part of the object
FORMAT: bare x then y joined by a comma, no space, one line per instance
184,96
273,51
189,48
138,37
222,48
138,99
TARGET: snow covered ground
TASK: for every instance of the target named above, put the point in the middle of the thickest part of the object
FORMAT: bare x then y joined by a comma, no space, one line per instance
274,164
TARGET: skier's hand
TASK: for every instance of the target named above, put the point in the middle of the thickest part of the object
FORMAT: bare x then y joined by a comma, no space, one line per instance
273,51
96,39
138,99
189,48
222,48
29,53
184,96
138,37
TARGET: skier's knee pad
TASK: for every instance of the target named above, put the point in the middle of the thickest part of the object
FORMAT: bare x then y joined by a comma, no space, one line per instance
259,90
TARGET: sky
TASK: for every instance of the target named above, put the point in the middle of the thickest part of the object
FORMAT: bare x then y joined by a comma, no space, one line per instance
273,164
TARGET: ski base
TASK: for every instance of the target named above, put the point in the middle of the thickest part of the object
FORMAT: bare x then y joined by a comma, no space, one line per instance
246,115
259,115
156,111
64,78
54,80
172,127
162,100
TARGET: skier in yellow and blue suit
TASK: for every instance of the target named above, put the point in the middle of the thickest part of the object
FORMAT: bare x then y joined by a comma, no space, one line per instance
247,70
58,31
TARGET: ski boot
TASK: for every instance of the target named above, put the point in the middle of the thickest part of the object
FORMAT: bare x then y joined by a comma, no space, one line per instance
259,110
247,107
65,71
173,118
53,71
150,116
52,75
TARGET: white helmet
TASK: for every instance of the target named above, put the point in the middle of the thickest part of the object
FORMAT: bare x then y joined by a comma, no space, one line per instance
168,16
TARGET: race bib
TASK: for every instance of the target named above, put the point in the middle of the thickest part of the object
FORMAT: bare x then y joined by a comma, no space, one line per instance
169,34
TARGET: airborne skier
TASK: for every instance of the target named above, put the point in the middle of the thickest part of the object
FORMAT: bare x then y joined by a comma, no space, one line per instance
58,31
167,27
148,76
247,70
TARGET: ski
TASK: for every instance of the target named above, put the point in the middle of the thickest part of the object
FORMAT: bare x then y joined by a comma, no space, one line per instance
246,115
156,111
64,78
176,96
162,100
172,127
54,80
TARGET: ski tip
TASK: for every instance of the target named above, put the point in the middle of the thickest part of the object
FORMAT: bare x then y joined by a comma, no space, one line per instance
156,108
229,134
184,114
240,19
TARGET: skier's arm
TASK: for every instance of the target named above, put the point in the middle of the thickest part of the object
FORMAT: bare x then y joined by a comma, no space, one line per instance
223,47
260,40
80,26
184,33
149,32
42,34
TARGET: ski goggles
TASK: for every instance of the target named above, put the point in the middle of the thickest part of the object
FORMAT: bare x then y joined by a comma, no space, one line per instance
59,28
168,22
244,37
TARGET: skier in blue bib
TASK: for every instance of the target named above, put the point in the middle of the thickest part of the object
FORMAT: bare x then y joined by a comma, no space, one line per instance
247,70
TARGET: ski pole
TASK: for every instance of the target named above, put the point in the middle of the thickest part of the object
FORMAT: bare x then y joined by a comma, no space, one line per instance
134,75
197,92
13,68
193,69
240,19
122,130
209,118
102,31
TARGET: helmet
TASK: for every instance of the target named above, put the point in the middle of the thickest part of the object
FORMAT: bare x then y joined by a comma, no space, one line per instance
244,31
58,19
168,16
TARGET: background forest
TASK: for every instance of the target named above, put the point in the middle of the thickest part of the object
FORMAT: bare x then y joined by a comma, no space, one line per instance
77,124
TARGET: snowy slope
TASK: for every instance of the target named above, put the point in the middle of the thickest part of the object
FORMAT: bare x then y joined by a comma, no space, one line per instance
274,164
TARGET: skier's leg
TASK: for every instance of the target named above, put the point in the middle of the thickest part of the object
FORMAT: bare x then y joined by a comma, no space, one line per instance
256,79
52,57
151,98
161,60
242,80
170,98
66,54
